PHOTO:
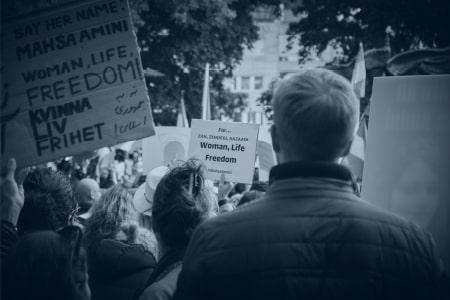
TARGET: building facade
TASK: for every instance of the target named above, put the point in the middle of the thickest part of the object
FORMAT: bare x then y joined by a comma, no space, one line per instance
269,60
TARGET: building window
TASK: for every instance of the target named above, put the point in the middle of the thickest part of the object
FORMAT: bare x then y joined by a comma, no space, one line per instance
245,83
259,82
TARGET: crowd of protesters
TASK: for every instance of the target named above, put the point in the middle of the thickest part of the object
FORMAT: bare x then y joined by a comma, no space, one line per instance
86,232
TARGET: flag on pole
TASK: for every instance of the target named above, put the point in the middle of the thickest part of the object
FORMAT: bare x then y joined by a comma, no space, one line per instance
206,104
182,120
358,148
359,74
356,155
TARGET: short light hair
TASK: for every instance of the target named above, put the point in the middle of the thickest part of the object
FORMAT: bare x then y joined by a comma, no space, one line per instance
316,114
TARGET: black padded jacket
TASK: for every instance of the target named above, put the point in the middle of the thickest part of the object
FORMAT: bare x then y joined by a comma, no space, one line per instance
311,237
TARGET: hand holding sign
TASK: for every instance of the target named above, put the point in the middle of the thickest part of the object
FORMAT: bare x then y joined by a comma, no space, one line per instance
225,188
7,115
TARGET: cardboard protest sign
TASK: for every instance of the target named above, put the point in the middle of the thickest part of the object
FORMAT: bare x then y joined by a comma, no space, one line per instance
72,81
169,143
225,148
407,163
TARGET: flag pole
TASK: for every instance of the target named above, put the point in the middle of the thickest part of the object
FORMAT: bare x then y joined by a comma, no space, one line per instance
206,103
182,120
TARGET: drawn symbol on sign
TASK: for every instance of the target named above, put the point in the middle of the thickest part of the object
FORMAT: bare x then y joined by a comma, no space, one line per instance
5,118
120,97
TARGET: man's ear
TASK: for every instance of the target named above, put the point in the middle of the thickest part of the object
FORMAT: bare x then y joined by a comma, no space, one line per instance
348,148
275,138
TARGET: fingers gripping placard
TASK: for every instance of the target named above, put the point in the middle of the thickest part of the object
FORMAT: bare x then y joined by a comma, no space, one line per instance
225,148
72,81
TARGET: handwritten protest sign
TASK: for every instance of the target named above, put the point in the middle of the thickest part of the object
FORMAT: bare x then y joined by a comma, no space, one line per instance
169,143
407,163
225,148
72,81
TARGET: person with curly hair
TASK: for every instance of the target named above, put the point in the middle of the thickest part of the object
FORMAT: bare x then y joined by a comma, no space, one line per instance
121,253
49,201
41,200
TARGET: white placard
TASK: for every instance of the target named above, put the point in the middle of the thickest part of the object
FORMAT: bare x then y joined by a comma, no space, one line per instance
226,148
407,165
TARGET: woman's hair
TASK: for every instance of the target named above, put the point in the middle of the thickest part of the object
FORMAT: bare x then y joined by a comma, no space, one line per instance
47,265
181,202
114,209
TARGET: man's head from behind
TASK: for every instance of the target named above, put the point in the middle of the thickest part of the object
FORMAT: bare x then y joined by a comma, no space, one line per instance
49,201
88,191
316,117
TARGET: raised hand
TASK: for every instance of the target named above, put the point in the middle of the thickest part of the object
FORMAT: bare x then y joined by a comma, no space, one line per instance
12,193
225,188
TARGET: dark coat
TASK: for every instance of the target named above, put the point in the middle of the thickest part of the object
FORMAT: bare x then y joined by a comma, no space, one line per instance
8,237
118,270
310,237
164,277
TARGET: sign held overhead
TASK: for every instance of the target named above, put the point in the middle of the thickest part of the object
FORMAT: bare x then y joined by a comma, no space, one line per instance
72,82
225,148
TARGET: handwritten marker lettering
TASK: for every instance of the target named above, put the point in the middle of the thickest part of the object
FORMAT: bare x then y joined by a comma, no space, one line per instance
120,96
64,67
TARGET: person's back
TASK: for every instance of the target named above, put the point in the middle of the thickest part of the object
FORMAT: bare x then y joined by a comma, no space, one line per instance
182,201
118,269
41,199
310,236
310,245
48,204
119,251
47,265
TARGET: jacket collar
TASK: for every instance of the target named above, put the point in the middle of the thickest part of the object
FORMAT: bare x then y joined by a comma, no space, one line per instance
312,169
167,263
